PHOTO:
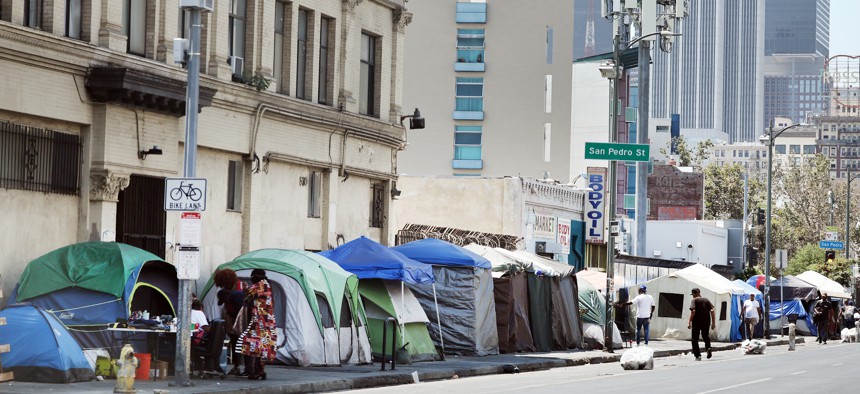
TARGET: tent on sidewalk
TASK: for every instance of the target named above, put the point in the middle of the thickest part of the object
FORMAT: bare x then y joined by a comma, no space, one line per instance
318,312
825,284
553,290
465,296
749,289
672,295
40,348
791,287
510,291
89,285
382,273
779,313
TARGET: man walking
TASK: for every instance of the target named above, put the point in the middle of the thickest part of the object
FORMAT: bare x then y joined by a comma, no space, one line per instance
644,311
752,315
701,318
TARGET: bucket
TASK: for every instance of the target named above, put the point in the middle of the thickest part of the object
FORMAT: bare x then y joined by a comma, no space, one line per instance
143,361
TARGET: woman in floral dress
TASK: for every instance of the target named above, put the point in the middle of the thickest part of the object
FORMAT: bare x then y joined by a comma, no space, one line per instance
259,339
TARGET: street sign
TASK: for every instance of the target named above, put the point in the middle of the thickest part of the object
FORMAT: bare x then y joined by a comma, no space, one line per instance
831,245
617,151
781,258
185,194
831,236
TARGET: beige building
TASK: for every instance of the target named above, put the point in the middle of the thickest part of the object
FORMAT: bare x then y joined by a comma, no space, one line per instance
493,80
92,122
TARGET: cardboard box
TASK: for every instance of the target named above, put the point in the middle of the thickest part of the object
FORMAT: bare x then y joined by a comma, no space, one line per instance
159,370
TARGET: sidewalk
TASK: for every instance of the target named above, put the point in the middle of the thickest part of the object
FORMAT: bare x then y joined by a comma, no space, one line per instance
316,379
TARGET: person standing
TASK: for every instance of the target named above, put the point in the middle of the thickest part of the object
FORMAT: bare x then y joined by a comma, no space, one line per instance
701,319
231,296
644,311
821,317
260,338
752,315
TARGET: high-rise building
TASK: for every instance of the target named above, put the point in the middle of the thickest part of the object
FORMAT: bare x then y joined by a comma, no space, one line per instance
713,76
493,80
797,27
797,35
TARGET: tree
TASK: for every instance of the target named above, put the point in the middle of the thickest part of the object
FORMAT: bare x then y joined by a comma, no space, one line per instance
688,157
838,270
724,191
802,193
804,258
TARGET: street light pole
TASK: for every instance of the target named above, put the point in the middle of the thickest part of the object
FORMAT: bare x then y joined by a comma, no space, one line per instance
610,244
848,230
770,137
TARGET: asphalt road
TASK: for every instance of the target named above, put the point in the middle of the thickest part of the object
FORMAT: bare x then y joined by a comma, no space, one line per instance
812,368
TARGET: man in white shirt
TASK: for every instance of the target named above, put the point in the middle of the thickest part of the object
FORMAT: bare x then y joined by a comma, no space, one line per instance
752,315
644,310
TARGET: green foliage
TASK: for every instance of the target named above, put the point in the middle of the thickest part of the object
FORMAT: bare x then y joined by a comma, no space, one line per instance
838,270
724,191
804,258
255,80
747,273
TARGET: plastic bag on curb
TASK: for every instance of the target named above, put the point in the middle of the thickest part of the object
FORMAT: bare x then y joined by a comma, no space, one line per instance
638,358
755,346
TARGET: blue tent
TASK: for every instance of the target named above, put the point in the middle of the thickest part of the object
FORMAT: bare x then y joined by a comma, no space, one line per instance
41,349
749,289
465,299
438,252
368,259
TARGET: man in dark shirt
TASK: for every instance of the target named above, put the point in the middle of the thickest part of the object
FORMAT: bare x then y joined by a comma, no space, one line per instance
701,317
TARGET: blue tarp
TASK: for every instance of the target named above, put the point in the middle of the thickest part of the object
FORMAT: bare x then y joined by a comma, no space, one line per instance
41,349
438,252
759,328
367,259
789,307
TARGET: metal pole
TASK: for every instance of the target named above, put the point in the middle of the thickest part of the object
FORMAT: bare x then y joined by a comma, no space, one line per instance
183,314
610,188
642,134
847,221
767,236
744,242
781,305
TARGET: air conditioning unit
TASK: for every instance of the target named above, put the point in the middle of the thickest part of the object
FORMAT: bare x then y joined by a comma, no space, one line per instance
237,64
540,247
206,5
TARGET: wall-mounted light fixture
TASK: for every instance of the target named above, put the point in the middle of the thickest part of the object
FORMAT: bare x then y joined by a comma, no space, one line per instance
415,120
395,193
155,150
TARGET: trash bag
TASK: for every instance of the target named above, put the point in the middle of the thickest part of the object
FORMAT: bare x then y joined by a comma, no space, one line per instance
641,357
755,346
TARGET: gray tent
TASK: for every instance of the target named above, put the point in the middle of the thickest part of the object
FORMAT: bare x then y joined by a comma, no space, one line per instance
464,287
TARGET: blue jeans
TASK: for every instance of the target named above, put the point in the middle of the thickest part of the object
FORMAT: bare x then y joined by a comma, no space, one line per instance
640,322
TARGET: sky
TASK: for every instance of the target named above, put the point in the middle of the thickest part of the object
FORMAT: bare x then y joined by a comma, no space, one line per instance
843,27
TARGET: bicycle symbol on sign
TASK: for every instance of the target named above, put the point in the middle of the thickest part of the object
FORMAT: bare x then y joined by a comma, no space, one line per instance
186,190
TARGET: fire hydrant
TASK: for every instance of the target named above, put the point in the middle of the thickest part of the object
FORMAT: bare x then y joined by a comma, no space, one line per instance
125,370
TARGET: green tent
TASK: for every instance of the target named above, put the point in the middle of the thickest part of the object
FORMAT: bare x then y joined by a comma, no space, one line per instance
318,311
592,304
383,299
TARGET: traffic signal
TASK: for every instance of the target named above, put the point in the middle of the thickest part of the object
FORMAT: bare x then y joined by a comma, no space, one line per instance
760,217
752,256
829,256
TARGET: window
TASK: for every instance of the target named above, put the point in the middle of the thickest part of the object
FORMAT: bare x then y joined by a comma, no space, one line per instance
40,160
314,193
467,142
670,305
794,149
470,45
547,141
470,94
547,93
236,39
723,307
185,24
73,19
367,99
548,45
305,18
281,18
325,73
471,12
134,26
377,204
780,149
234,185
33,13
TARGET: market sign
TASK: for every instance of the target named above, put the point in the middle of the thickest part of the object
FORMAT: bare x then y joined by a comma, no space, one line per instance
544,227
594,210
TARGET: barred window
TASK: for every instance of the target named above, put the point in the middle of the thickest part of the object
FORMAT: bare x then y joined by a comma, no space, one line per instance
377,204
40,160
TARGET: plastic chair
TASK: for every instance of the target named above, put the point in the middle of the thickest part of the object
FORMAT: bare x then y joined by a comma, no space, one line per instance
207,355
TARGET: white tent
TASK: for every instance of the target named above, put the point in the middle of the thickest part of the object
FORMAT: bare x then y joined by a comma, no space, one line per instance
672,295
825,284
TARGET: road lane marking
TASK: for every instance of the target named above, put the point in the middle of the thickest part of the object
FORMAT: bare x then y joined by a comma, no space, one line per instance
837,364
798,373
735,386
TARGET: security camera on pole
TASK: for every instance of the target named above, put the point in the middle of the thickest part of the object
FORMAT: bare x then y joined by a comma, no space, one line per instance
189,195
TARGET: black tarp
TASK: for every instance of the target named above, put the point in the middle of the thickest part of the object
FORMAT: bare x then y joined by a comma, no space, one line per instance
512,313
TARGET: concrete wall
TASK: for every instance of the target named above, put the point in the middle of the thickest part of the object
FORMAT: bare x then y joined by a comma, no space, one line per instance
589,114
709,242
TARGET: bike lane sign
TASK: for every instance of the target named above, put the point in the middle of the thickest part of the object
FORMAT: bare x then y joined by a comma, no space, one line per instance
185,194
